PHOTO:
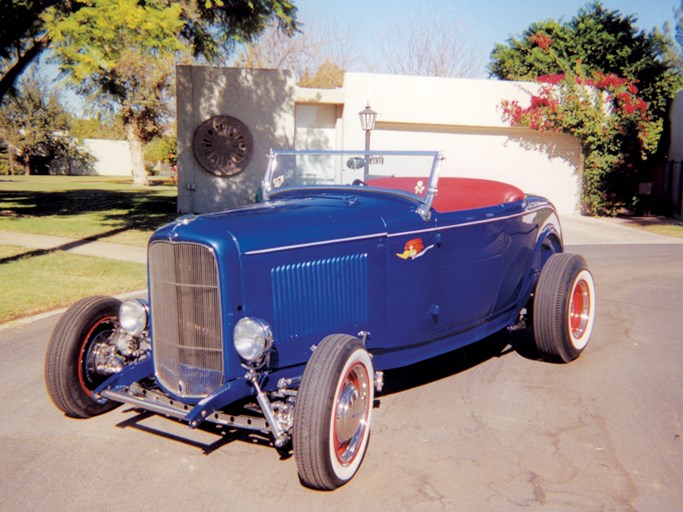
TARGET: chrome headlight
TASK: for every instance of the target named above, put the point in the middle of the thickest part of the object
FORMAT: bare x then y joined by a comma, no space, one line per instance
253,338
133,316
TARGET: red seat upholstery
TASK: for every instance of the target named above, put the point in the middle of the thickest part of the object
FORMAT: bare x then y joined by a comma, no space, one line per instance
457,193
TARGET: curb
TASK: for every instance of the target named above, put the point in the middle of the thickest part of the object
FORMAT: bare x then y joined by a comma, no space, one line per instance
41,316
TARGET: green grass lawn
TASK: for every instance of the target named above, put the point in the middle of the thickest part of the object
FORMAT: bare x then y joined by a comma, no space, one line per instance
76,207
674,229
42,282
85,206
659,225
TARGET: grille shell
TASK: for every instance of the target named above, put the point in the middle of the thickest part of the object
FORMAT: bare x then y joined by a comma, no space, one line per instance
186,318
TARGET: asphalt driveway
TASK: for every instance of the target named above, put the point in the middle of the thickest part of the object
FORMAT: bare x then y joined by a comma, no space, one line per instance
485,428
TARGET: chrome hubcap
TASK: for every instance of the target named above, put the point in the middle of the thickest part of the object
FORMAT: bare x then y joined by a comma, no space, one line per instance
350,421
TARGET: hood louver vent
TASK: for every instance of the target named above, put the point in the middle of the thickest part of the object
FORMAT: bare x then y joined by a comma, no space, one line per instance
321,296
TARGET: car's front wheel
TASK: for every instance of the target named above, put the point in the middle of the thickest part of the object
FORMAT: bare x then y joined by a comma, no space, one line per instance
564,308
333,411
84,331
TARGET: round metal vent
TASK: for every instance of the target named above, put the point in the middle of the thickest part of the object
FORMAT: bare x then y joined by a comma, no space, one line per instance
223,145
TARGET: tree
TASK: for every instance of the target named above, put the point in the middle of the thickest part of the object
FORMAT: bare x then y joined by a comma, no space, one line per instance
211,27
603,81
611,122
120,54
429,47
98,127
602,41
677,53
23,37
318,55
34,125
328,76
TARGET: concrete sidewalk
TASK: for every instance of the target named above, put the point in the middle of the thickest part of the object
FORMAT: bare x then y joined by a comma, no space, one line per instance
86,247
577,230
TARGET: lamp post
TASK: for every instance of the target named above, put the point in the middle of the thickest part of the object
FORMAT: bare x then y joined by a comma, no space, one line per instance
367,123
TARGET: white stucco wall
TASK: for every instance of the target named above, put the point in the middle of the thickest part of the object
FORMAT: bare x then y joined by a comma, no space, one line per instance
317,126
112,157
463,119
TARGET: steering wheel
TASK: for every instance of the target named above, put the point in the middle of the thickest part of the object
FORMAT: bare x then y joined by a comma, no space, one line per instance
359,182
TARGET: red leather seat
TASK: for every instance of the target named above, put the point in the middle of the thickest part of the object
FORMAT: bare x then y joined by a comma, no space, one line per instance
457,194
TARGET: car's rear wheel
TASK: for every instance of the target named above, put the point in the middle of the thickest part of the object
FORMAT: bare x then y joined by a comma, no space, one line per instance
71,372
333,412
564,308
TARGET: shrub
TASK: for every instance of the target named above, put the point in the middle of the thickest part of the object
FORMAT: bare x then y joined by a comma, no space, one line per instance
612,123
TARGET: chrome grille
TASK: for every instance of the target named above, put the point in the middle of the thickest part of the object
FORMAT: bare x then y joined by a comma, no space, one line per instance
186,318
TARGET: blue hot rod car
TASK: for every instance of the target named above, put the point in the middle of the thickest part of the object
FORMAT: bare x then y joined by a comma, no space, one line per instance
281,316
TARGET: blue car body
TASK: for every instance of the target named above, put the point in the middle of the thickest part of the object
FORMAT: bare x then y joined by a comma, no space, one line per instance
315,261
281,316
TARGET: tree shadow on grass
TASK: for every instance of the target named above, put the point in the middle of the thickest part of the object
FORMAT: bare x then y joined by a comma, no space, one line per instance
142,209
63,247
122,210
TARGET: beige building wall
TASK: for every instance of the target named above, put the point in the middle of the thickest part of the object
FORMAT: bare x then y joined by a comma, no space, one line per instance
262,99
460,117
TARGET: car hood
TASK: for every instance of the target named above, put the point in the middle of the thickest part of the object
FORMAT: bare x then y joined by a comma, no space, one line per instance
290,222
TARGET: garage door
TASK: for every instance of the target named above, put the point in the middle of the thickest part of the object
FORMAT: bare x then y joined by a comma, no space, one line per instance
543,164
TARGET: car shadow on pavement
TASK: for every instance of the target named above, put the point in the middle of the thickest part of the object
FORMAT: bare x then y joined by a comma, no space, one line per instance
395,381
224,435
446,365
523,343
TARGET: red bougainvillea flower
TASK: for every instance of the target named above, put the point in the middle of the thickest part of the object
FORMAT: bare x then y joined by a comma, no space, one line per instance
551,79
542,40
609,81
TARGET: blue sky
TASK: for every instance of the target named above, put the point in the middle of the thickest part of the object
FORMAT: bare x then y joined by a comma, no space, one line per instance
483,23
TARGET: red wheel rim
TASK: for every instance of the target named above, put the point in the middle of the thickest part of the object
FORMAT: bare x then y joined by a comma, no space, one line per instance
579,309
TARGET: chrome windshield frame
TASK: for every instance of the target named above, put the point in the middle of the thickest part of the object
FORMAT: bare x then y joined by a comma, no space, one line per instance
424,210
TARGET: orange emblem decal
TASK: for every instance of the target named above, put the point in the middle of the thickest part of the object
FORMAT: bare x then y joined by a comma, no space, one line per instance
413,249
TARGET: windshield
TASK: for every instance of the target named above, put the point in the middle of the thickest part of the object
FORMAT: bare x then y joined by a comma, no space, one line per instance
414,172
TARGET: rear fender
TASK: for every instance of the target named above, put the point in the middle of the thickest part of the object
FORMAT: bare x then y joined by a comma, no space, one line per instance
548,242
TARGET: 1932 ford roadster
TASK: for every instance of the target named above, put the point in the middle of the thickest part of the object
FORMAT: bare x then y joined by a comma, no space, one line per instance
281,316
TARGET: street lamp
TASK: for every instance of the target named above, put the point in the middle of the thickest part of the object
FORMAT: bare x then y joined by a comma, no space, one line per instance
367,123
